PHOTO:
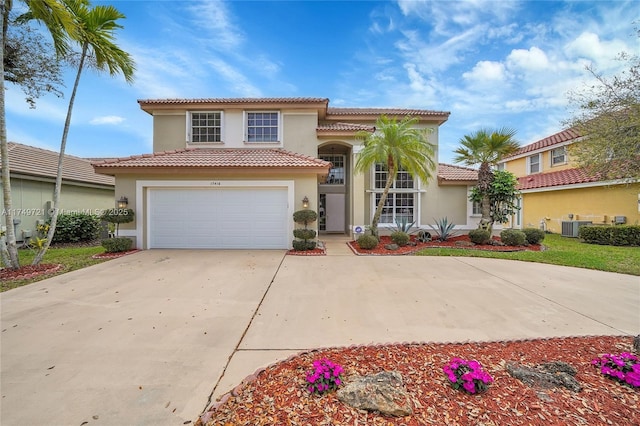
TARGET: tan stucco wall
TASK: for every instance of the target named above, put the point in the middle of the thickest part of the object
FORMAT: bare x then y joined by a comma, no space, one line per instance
298,131
585,204
445,201
29,198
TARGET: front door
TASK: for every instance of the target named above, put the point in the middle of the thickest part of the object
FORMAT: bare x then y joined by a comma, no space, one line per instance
334,212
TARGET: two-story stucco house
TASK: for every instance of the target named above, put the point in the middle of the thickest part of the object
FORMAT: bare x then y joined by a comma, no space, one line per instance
556,191
229,173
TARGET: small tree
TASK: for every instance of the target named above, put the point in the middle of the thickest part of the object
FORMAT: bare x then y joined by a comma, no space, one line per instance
305,234
118,216
502,195
607,114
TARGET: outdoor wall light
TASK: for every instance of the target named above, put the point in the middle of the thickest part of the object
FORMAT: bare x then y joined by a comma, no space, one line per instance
123,202
305,202
570,215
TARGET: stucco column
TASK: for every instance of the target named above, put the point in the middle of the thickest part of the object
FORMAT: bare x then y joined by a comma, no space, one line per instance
358,207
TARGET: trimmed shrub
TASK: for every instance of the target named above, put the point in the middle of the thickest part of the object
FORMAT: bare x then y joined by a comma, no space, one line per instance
367,242
513,237
619,235
400,238
305,216
302,245
304,234
115,245
76,227
534,235
480,236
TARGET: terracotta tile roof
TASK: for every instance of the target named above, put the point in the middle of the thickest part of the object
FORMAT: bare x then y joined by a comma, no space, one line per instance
555,139
218,158
243,101
559,178
451,173
29,160
343,127
388,111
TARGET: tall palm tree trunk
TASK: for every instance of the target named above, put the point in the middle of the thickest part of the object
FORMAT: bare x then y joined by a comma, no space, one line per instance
485,178
63,145
8,246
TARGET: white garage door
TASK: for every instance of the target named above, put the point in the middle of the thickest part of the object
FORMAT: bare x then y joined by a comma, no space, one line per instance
220,218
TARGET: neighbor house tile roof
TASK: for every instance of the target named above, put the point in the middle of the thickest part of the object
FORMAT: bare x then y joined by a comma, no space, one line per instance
450,173
555,139
218,158
559,178
29,160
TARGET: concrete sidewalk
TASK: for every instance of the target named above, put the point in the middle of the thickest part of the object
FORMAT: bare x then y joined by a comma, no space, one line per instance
145,339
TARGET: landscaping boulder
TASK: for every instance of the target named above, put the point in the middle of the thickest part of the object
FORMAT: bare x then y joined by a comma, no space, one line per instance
383,392
636,344
464,244
548,375
392,247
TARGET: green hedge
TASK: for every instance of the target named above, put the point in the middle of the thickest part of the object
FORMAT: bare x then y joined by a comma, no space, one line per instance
534,235
367,242
76,227
513,237
400,238
619,235
115,245
479,236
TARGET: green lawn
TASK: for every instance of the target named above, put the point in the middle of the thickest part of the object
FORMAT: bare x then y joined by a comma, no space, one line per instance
72,259
563,251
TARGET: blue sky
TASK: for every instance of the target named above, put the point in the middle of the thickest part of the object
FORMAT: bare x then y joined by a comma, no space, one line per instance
489,63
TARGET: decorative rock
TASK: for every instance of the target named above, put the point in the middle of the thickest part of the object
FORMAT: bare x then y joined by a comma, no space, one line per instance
636,344
547,375
392,247
383,392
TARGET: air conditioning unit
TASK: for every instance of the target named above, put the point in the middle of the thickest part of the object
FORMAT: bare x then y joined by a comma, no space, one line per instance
619,220
570,228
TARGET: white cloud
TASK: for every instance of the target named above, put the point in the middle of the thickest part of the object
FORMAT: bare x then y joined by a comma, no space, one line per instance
533,59
486,71
107,119
214,18
589,45
240,84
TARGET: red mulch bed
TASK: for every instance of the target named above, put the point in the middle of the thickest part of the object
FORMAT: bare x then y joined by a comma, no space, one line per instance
315,252
28,271
459,242
277,395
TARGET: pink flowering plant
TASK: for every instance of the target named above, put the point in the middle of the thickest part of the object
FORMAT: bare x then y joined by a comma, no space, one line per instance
624,368
467,375
326,376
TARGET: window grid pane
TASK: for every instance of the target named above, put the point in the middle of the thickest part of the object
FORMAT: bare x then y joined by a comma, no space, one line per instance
404,180
206,127
558,156
262,127
336,173
534,163
397,207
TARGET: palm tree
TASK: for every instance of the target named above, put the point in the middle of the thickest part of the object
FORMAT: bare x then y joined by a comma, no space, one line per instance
59,22
95,35
395,144
486,147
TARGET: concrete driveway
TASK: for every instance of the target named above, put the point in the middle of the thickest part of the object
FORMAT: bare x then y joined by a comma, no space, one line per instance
149,338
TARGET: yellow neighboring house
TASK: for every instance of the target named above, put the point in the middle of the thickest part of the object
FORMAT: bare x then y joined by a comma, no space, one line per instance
558,196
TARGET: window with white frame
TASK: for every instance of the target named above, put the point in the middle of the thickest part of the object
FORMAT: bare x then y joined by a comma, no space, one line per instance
559,156
533,164
476,209
205,127
501,166
336,173
263,126
401,201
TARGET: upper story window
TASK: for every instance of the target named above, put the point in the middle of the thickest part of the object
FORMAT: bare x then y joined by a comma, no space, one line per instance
476,208
404,180
263,126
205,127
501,166
559,156
336,174
533,164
